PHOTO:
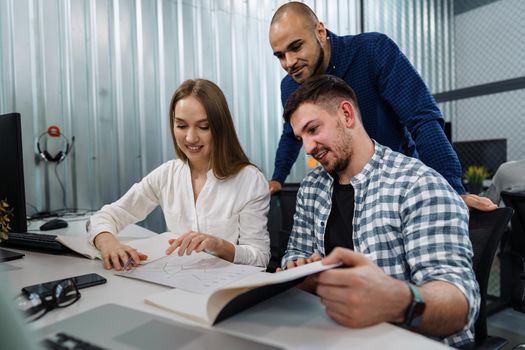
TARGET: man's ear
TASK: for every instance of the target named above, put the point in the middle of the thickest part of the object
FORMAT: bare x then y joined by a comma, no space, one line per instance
349,113
320,32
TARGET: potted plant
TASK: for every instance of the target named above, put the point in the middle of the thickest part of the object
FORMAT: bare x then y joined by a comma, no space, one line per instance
474,176
5,219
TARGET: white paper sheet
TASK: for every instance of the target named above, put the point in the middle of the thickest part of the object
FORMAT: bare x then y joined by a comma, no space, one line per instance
154,247
198,273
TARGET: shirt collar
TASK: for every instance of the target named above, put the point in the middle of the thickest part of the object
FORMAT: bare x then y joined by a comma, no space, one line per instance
339,61
363,177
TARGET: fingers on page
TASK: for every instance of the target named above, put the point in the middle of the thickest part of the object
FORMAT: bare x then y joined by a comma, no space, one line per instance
173,245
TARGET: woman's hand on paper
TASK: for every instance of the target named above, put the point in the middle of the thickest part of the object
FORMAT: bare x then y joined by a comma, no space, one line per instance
115,254
197,242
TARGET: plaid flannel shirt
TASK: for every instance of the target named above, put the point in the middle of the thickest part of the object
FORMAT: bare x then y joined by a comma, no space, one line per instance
407,219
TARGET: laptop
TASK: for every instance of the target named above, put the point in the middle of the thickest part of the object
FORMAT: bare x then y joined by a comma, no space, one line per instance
112,326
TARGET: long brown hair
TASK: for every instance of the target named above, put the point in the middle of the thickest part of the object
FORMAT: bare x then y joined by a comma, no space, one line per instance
227,155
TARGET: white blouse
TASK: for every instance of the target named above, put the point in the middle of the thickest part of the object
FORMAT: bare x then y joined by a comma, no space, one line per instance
235,209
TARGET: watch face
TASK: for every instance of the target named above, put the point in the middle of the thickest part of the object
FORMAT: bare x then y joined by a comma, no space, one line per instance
418,309
417,314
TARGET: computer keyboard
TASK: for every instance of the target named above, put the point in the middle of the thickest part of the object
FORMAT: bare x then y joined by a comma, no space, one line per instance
65,341
44,242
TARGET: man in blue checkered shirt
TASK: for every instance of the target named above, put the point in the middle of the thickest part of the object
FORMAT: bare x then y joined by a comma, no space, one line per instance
407,228
396,106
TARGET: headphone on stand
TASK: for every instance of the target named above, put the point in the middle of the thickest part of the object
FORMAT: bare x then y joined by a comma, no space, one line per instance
54,131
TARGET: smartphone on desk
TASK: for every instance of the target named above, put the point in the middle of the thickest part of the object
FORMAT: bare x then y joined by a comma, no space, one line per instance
82,281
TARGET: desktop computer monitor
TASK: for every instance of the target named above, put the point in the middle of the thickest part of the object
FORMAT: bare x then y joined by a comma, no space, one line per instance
488,153
12,173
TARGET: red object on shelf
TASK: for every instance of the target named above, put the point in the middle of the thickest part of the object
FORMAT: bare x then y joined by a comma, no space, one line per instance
53,131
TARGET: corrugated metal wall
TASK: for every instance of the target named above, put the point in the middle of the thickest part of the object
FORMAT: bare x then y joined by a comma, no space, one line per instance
424,30
104,71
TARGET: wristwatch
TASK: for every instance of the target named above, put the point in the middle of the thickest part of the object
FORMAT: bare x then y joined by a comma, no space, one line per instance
414,313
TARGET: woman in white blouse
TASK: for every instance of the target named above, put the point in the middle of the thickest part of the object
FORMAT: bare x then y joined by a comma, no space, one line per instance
212,196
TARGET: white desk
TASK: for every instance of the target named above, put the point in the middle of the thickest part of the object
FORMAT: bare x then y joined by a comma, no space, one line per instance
77,227
294,319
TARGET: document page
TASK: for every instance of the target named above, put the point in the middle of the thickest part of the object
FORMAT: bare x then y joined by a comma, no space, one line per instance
198,273
154,247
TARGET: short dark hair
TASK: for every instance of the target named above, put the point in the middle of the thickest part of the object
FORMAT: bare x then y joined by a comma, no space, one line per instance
326,90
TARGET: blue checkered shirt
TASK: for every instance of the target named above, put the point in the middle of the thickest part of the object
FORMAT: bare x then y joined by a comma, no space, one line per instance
407,219
395,104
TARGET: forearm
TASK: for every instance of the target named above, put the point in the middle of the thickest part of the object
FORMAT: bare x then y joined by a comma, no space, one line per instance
104,238
446,309
225,250
436,152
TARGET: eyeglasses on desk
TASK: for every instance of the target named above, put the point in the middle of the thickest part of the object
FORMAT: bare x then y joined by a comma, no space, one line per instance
36,305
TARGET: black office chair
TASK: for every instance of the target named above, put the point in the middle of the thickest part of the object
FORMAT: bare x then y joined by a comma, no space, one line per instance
516,249
485,232
279,234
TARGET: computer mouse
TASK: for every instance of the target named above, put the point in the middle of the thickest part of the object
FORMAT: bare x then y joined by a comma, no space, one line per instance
53,225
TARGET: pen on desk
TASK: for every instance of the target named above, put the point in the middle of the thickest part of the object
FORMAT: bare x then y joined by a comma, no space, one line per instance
126,265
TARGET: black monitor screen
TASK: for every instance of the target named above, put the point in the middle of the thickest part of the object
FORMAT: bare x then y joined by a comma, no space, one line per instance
488,153
12,169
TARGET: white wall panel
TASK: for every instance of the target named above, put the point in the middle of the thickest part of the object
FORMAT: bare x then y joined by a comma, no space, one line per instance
423,30
490,47
104,72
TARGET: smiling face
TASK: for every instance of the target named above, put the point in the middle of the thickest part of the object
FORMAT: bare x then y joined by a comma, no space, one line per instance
191,130
324,136
299,46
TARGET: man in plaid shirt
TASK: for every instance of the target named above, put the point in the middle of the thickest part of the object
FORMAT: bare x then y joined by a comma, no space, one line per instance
398,224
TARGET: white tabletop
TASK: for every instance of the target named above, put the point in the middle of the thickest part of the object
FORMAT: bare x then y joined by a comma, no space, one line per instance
293,319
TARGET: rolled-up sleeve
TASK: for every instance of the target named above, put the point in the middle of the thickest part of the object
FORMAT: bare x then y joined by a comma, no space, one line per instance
436,239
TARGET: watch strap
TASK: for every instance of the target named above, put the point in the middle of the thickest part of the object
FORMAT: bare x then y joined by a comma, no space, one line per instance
415,309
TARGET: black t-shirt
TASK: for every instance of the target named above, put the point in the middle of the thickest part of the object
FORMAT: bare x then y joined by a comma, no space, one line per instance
339,226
